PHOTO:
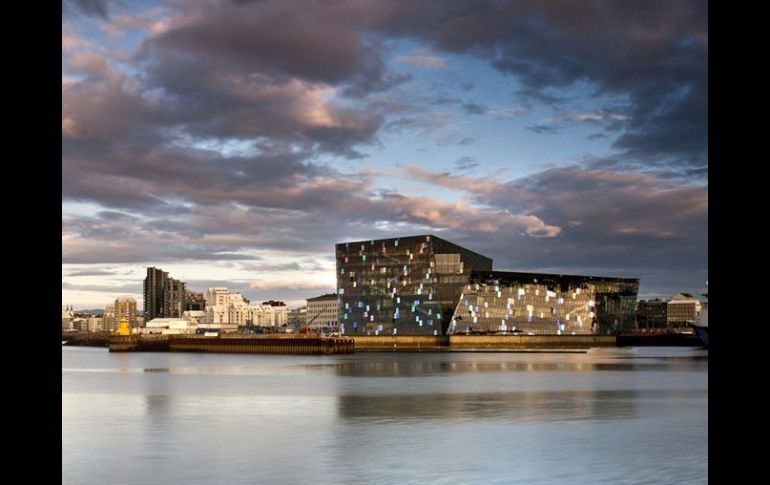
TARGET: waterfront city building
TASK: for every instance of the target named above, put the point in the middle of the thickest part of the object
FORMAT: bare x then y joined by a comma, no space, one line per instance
80,324
225,307
164,297
322,313
195,301
682,308
652,314
154,287
109,322
67,315
95,324
169,326
174,298
538,303
424,285
298,317
402,286
125,307
195,317
276,313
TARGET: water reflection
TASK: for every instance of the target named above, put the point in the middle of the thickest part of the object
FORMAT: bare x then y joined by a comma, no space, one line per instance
507,406
405,369
157,405
385,418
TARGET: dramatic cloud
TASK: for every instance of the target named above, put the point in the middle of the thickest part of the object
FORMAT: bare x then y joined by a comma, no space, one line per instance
257,134
622,224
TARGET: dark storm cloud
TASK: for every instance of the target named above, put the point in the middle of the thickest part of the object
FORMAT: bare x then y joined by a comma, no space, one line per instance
214,130
655,53
266,76
99,112
621,224
272,38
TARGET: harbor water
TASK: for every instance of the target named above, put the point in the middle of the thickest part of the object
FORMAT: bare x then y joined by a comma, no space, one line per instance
609,416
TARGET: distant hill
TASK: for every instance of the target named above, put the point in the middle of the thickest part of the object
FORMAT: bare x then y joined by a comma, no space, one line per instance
94,311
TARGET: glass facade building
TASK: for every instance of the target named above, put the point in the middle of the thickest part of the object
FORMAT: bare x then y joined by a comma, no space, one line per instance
424,285
403,286
501,301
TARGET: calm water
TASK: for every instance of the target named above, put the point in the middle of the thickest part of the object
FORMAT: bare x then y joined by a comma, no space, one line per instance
610,416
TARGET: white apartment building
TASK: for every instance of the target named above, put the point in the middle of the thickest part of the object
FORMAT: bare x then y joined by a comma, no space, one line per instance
322,312
224,307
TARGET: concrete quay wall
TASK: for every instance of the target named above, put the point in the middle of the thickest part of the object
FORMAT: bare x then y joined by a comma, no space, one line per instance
530,341
401,342
470,342
235,344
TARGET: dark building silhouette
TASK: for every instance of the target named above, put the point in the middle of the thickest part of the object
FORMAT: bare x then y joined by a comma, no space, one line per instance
164,297
652,313
154,286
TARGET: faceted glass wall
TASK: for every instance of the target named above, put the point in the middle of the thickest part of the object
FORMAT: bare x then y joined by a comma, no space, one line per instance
545,304
405,286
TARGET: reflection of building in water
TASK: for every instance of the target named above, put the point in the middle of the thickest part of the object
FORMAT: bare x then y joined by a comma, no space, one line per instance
424,285
414,368
523,406
545,303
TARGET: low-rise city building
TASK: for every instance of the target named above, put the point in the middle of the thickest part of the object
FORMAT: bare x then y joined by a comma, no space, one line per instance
652,314
195,301
109,323
322,313
298,318
226,307
195,317
95,324
126,308
682,308
169,326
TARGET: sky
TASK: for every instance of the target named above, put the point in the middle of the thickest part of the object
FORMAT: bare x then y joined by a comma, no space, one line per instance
234,143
